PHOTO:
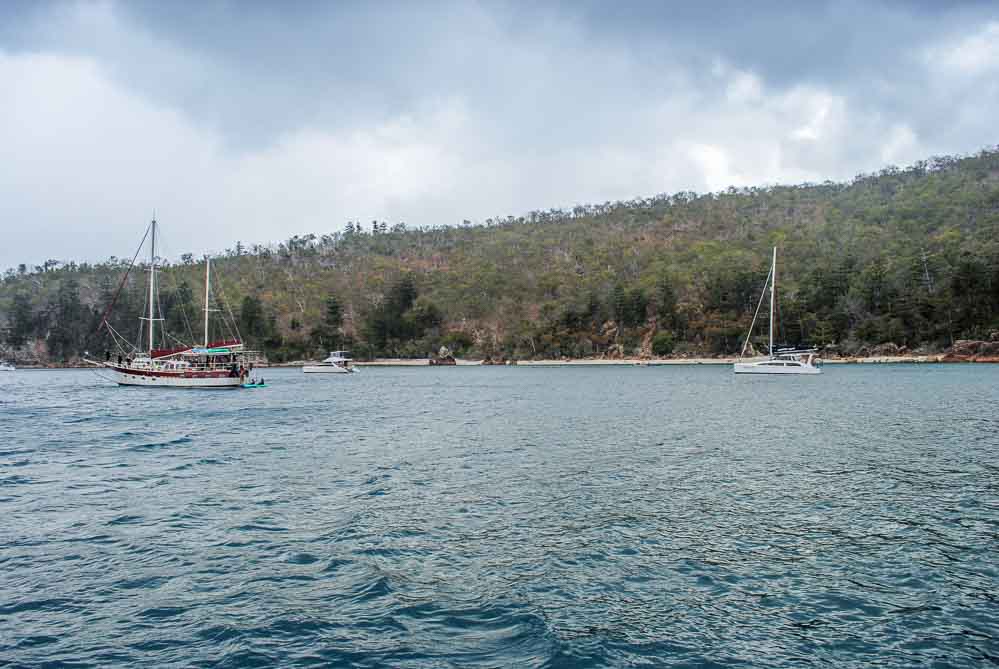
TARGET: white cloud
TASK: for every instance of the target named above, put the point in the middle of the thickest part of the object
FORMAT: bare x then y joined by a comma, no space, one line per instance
972,55
901,146
85,157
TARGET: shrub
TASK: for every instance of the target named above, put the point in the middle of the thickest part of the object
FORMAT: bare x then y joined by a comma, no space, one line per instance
662,343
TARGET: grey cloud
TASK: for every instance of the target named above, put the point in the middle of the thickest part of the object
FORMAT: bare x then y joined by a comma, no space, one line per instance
275,118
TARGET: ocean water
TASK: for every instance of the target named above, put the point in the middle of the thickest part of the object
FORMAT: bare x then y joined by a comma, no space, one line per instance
504,517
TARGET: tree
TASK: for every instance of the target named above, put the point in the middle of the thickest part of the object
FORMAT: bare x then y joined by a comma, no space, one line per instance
400,318
328,333
629,306
401,296
22,320
253,321
66,334
662,343
334,313
425,316
665,302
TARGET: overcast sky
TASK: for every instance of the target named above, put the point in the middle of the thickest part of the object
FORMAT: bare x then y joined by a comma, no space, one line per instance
256,121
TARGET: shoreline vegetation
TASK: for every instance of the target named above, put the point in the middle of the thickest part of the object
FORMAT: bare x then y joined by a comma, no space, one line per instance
990,357
901,264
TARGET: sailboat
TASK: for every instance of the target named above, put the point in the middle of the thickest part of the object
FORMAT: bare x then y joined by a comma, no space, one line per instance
213,364
780,361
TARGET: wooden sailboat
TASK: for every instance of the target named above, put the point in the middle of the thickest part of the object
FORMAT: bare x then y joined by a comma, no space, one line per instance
214,364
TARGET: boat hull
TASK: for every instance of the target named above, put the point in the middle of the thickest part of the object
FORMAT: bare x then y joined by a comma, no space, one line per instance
149,379
758,368
326,369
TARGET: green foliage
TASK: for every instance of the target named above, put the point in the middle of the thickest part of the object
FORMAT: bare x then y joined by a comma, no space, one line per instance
662,343
22,320
459,342
254,324
665,302
334,313
66,337
400,320
329,334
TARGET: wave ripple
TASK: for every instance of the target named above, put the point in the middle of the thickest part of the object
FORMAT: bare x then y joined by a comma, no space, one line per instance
504,517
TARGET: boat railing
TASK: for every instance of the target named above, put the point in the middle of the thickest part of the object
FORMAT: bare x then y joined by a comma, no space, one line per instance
174,367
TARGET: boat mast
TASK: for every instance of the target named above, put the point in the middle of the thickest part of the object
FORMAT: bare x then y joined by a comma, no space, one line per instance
773,291
152,285
208,276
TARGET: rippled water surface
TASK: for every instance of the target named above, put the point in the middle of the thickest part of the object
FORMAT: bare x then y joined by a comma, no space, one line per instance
517,517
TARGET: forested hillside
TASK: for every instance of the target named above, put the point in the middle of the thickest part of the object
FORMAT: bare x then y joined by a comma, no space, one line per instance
906,256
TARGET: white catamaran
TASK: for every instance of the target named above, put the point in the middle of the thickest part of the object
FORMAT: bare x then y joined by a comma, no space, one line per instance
781,361
214,364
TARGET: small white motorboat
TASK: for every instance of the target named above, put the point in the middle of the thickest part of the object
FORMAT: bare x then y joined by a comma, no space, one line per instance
338,362
6,366
782,361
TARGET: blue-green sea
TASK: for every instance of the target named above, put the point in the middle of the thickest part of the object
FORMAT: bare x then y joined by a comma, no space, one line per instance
504,517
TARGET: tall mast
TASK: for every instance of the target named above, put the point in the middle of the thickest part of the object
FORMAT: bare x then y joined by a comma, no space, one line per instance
152,284
773,291
208,277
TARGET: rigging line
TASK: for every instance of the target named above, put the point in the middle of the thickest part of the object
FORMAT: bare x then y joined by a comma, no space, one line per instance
762,295
129,344
138,337
118,339
159,305
117,344
106,378
181,342
218,286
777,325
114,299
232,317
187,322
183,307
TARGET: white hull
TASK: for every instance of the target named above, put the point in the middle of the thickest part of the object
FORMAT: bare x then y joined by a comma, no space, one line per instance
326,369
769,367
165,381
6,368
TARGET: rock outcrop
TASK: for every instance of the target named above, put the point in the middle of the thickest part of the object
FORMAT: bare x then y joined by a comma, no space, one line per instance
443,357
970,350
